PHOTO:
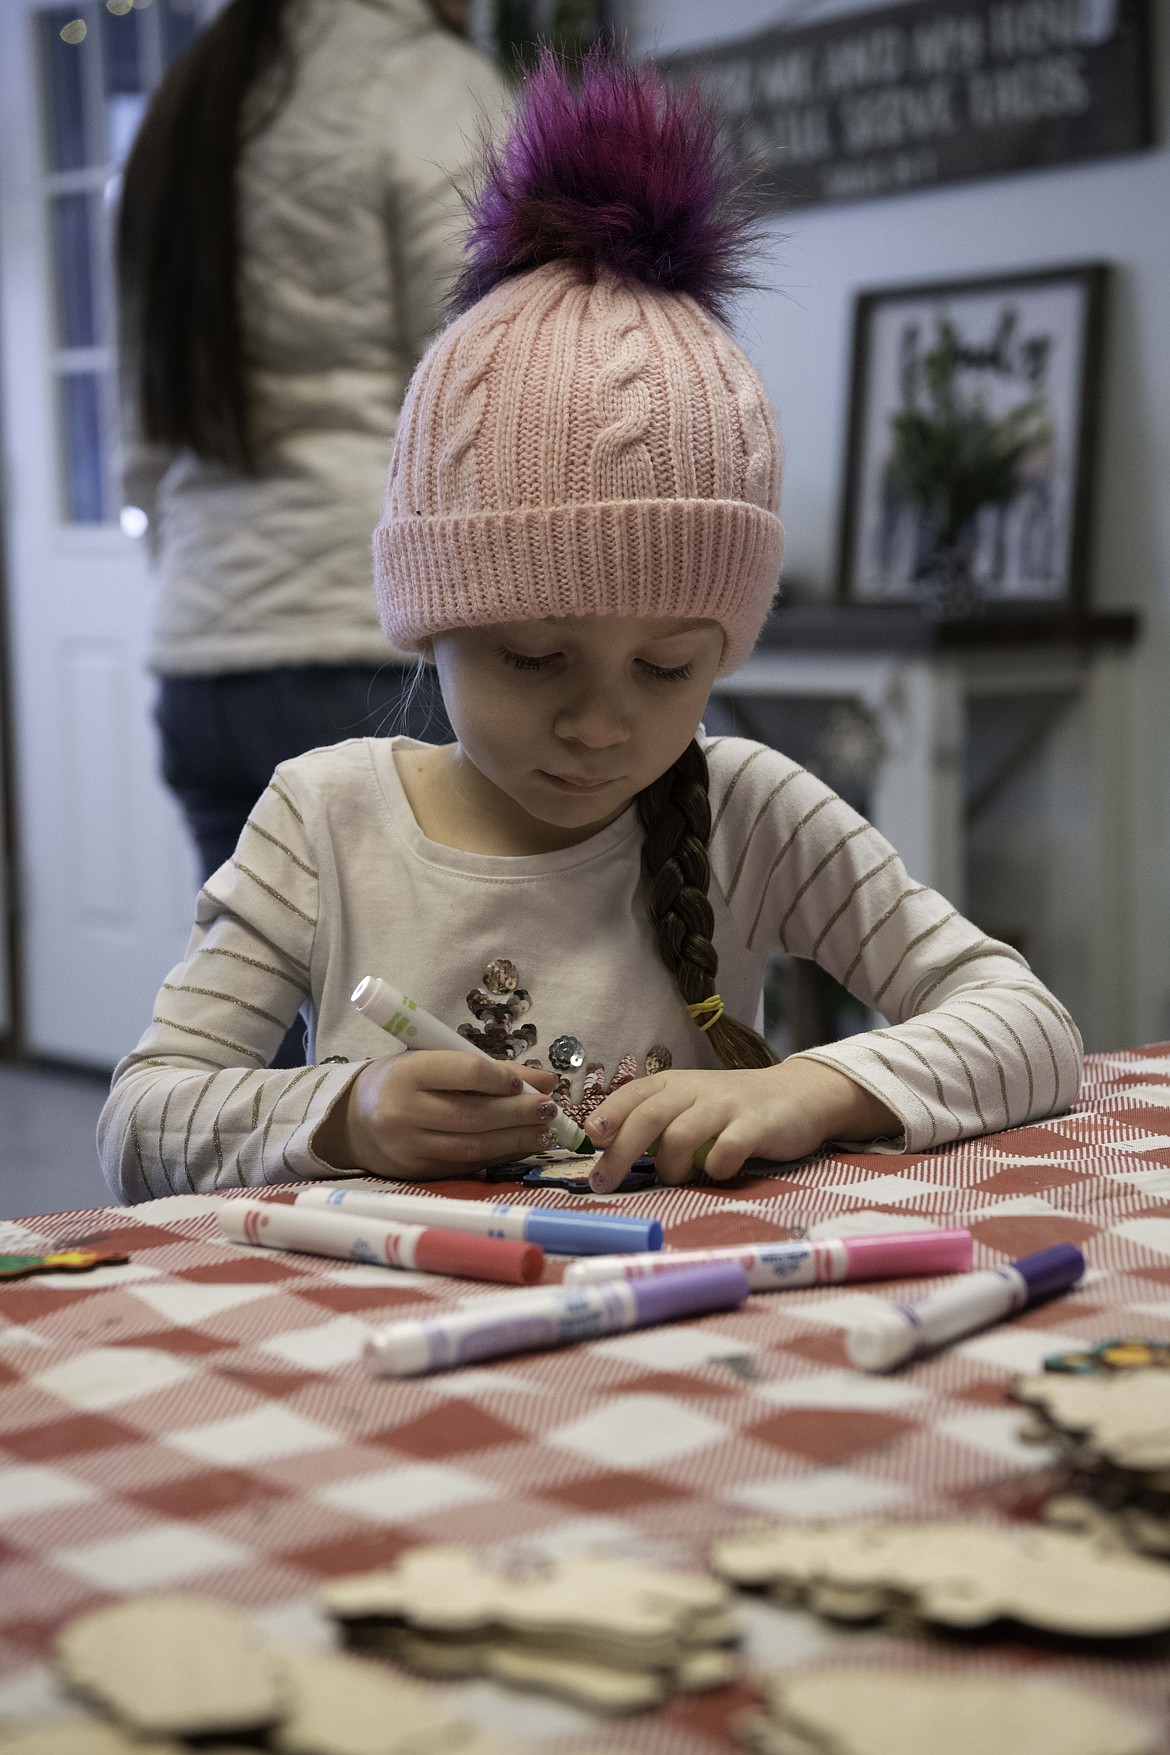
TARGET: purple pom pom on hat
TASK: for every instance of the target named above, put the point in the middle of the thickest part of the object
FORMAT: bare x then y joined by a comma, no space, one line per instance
621,174
585,437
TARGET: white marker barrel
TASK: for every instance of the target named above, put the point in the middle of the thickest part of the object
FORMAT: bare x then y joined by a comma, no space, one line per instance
356,1237
404,1019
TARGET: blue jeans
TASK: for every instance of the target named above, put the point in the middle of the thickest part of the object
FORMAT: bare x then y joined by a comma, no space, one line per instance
223,735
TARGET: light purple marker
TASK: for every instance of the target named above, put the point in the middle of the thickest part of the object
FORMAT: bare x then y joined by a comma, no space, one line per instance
551,1316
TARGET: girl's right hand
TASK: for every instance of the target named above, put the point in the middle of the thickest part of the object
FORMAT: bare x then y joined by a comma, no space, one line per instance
433,1113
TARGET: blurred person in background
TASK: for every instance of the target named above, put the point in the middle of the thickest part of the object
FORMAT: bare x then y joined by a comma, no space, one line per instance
290,227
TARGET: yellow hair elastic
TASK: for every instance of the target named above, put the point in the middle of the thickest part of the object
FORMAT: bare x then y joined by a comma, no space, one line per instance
712,1004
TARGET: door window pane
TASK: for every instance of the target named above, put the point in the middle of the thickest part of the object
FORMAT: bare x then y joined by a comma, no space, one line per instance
122,46
95,94
64,66
73,260
124,113
84,447
180,27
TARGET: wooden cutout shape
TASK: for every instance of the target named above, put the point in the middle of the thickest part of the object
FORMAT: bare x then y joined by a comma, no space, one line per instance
172,1666
450,1590
1127,1525
1123,1420
958,1575
596,1686
615,1635
78,1737
870,1712
339,1705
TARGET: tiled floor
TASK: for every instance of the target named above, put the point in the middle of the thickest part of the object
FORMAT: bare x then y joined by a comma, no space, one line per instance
48,1159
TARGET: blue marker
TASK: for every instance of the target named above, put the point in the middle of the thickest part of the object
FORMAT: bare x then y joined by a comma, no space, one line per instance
557,1231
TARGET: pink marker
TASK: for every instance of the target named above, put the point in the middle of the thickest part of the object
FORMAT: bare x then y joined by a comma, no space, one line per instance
777,1267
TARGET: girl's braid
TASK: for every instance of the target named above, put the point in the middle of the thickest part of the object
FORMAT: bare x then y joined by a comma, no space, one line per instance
675,811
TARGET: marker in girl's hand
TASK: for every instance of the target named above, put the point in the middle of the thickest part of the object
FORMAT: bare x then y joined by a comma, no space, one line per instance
404,1019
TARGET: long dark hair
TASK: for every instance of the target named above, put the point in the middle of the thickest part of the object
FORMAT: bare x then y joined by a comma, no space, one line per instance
178,239
675,811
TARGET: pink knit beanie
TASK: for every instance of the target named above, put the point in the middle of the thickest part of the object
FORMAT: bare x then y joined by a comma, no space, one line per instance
586,438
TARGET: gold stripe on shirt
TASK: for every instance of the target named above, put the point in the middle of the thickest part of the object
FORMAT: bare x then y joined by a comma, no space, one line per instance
254,962
204,1088
304,1117
287,851
814,874
927,932
231,998
974,954
758,819
858,884
791,842
287,801
733,783
274,893
872,932
937,1030
1000,1018
980,1037
208,1036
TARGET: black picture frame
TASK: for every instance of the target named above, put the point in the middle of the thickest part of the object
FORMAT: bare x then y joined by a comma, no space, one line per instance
1019,390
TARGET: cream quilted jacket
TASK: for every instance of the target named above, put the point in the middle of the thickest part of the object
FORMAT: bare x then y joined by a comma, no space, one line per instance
351,227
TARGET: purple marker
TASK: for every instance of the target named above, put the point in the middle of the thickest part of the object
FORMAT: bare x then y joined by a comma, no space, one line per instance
551,1316
901,1331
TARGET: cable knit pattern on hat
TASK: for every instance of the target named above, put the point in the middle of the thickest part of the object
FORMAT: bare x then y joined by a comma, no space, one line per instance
581,447
586,438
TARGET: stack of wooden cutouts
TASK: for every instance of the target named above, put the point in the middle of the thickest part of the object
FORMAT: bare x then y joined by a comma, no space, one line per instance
874,1712
1114,1431
170,1673
612,1634
964,1576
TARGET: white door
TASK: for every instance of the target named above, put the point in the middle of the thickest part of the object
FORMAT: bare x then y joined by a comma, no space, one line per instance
105,880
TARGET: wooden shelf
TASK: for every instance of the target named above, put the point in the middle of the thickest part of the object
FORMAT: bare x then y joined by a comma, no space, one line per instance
834,627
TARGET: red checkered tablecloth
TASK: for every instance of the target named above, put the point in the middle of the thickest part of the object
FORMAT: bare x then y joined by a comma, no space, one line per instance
200,1420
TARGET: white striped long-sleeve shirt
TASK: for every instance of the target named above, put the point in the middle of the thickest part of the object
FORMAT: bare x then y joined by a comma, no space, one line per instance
334,880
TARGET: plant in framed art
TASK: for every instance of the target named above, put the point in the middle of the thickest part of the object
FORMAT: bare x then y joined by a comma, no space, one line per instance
970,442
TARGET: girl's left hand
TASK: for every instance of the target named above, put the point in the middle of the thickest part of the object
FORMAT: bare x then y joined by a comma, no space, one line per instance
780,1112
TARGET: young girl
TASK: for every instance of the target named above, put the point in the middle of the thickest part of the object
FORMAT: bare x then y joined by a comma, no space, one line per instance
581,533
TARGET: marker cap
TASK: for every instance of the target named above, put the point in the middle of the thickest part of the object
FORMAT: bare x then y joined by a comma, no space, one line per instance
664,1297
900,1254
1049,1271
886,1338
478,1258
587,1233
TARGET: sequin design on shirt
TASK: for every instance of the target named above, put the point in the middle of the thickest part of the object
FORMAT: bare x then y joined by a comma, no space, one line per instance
499,1004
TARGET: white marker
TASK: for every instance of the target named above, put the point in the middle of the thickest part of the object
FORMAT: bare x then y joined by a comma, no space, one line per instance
354,1237
550,1318
404,1019
891,1336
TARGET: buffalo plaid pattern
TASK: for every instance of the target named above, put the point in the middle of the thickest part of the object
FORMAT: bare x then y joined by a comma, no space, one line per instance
200,1420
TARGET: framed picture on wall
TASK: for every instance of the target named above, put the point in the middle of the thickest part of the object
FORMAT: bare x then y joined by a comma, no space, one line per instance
517,30
973,412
